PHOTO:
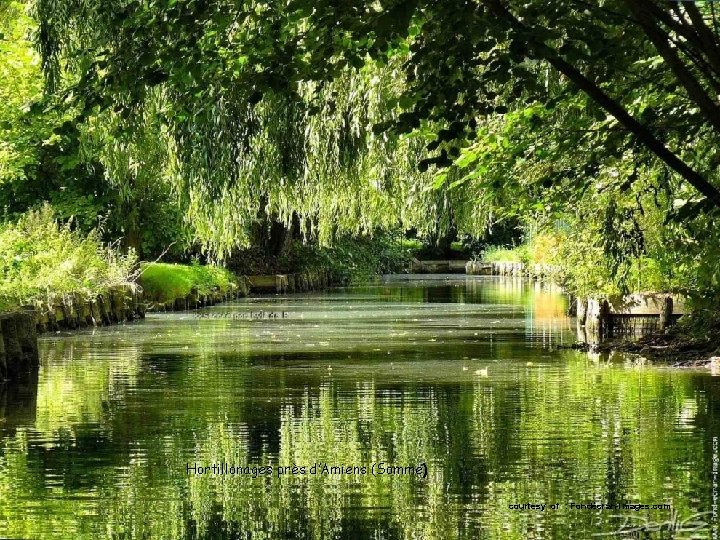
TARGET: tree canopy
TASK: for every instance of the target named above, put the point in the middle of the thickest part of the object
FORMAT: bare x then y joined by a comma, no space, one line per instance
356,115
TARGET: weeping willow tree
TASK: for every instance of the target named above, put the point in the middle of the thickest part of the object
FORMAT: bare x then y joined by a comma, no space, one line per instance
316,157
236,144
285,108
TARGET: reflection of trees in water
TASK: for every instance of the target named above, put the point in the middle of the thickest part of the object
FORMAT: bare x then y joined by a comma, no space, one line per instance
547,454
88,380
327,428
542,306
78,385
511,292
578,431
18,403
547,322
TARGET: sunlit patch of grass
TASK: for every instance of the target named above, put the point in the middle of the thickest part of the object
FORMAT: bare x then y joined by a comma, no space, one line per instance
500,254
163,282
42,259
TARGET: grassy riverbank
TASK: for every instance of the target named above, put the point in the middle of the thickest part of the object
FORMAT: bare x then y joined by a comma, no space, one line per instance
163,282
42,260
542,249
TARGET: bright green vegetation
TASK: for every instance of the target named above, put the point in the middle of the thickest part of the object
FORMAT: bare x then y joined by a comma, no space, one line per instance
412,244
46,156
100,448
164,282
584,270
316,134
42,260
500,254
595,125
351,260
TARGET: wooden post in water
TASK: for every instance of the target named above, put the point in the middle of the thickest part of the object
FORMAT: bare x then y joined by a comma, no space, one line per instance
19,347
606,322
581,307
666,309
596,315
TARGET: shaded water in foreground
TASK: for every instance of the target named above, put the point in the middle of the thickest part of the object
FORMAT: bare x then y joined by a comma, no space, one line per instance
460,374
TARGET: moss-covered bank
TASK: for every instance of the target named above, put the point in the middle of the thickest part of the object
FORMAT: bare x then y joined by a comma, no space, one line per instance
174,287
44,261
177,287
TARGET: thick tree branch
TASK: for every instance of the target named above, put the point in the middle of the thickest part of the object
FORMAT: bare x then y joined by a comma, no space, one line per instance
708,39
684,30
688,40
714,19
660,39
643,134
700,63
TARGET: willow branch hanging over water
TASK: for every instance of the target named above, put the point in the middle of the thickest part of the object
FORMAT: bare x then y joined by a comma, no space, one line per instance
316,157
231,151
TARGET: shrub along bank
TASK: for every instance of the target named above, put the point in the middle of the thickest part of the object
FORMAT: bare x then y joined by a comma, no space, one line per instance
71,279
584,272
43,261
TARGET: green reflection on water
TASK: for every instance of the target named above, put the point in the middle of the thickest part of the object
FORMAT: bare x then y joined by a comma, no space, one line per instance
463,375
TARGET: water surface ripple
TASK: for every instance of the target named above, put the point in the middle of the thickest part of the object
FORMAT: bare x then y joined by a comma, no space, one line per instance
460,376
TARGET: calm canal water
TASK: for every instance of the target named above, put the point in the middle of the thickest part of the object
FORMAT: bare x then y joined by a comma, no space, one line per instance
461,379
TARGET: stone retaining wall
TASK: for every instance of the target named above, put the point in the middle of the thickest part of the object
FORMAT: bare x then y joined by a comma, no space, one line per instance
437,267
632,314
259,284
514,269
19,330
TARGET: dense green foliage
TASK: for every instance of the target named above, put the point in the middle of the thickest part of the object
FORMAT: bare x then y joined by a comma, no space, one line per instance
185,125
163,282
46,156
38,143
348,260
356,260
500,254
41,260
580,265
